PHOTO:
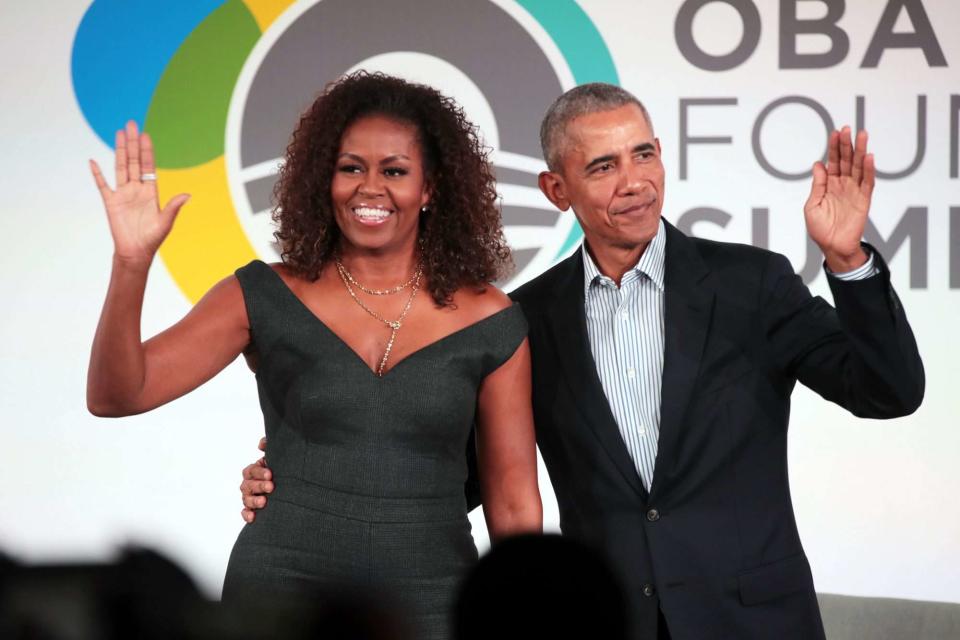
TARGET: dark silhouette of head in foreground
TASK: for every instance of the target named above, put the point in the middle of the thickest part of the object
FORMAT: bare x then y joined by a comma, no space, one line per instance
541,587
144,595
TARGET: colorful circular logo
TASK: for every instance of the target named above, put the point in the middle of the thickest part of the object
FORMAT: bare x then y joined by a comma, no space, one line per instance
220,85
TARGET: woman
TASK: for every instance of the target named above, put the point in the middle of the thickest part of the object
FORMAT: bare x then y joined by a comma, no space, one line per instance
376,342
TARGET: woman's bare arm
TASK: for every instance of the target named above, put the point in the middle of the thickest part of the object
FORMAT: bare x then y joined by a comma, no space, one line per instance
507,449
126,375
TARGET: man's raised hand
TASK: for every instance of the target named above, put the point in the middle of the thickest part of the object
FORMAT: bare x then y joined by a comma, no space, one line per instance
836,211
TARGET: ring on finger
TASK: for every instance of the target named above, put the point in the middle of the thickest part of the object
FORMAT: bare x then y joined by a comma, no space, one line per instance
148,177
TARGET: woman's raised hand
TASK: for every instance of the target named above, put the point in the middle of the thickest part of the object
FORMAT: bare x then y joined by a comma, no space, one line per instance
137,223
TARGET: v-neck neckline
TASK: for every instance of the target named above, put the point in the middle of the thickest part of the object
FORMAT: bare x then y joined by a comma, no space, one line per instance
356,356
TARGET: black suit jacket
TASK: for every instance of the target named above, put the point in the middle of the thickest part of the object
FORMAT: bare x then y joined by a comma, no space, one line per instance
714,544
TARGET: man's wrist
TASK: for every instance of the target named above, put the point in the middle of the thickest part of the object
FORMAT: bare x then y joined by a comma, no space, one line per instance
844,263
867,270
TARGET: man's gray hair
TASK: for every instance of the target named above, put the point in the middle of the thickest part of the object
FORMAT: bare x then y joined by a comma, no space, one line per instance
579,101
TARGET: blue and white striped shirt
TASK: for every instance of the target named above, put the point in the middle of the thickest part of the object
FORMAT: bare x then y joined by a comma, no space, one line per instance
625,327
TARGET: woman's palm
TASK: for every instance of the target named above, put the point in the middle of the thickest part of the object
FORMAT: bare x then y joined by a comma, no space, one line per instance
137,223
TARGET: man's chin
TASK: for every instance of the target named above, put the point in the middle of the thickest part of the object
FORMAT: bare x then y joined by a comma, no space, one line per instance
632,243
638,235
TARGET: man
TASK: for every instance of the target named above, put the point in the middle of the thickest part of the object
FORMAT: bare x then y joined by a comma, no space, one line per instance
663,367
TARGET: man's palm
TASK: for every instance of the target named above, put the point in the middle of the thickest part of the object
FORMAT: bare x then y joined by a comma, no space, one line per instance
836,211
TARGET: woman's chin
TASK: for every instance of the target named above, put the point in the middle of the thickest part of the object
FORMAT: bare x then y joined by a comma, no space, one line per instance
376,239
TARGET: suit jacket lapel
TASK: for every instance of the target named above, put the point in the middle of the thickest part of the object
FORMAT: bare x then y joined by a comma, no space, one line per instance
688,306
568,326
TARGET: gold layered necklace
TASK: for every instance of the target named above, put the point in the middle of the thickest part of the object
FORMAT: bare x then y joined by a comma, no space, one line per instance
376,292
414,282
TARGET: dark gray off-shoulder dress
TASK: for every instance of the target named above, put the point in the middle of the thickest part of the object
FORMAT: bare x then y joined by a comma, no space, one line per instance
369,471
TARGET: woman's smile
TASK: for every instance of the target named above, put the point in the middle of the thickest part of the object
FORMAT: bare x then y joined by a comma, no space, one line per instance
371,216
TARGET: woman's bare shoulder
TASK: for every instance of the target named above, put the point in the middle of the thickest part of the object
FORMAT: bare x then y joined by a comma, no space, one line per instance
226,298
282,270
478,304
290,277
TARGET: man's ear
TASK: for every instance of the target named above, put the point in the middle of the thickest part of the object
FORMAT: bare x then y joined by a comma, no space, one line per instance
553,186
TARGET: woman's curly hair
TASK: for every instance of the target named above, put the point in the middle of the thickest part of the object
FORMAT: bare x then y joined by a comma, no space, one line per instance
461,236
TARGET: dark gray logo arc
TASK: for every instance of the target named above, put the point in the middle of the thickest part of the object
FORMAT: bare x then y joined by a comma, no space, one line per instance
479,38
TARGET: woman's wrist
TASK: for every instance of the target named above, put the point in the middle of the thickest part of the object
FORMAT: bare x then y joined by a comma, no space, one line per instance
138,264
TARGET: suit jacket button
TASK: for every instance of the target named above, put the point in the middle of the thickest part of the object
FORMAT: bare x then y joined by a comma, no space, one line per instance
649,590
653,515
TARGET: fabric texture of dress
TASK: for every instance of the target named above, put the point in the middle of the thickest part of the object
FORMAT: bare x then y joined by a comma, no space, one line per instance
369,471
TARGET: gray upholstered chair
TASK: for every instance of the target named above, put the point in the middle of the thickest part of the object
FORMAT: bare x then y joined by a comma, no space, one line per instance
856,618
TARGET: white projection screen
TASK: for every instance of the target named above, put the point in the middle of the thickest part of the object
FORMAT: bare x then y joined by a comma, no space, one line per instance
741,93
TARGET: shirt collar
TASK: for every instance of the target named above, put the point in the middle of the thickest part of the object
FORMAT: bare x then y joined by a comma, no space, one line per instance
651,264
